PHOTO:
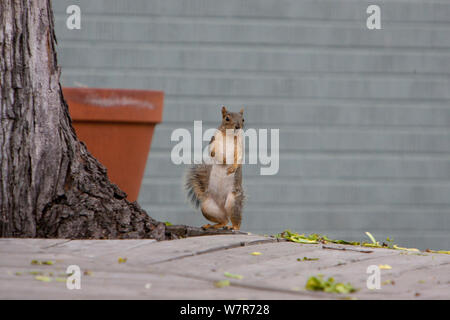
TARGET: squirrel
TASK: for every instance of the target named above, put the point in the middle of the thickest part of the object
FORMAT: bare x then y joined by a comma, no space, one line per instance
217,187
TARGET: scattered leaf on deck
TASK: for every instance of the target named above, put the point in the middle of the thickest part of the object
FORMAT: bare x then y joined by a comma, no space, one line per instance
47,262
256,253
319,284
312,238
43,278
438,251
372,238
234,276
385,267
388,282
374,244
222,283
122,260
405,249
307,259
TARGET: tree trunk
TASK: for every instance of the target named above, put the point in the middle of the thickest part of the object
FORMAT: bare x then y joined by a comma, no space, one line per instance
50,186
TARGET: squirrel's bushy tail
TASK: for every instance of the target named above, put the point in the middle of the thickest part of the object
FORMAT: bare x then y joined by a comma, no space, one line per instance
196,183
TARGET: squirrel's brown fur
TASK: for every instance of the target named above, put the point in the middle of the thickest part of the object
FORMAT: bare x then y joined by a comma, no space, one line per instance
217,188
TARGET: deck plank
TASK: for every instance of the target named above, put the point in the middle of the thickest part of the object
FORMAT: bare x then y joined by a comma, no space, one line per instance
188,269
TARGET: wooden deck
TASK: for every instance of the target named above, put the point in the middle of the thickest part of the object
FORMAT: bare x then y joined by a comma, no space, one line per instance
189,268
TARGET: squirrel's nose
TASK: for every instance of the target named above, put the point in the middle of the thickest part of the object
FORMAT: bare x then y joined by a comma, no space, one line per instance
237,126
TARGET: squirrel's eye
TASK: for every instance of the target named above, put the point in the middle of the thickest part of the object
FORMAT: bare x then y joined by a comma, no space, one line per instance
243,120
227,119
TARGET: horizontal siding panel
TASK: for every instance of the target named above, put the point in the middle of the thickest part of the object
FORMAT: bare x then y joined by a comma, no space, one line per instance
400,10
409,228
311,218
324,34
182,112
228,60
420,230
341,140
315,86
328,167
326,193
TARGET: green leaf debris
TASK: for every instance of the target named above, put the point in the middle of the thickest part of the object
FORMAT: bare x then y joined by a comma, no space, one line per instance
318,283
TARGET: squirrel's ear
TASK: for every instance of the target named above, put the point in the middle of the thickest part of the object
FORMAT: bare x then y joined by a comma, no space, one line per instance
242,111
224,111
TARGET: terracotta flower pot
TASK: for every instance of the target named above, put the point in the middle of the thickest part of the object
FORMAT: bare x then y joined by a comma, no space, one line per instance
117,127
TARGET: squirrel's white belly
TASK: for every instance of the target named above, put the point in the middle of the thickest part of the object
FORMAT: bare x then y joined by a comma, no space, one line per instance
225,146
220,184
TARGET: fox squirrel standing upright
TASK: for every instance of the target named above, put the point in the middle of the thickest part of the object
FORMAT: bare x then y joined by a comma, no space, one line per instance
217,188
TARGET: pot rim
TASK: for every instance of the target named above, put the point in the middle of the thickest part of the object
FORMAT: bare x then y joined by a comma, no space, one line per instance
114,105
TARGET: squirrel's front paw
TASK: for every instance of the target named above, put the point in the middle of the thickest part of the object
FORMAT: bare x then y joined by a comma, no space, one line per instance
231,170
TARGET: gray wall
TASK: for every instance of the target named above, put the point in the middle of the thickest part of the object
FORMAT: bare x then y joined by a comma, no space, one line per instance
363,115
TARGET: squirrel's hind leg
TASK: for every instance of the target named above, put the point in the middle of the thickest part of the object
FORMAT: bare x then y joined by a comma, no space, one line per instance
214,213
233,207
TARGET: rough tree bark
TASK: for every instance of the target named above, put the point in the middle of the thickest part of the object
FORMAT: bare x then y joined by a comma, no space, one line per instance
50,185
